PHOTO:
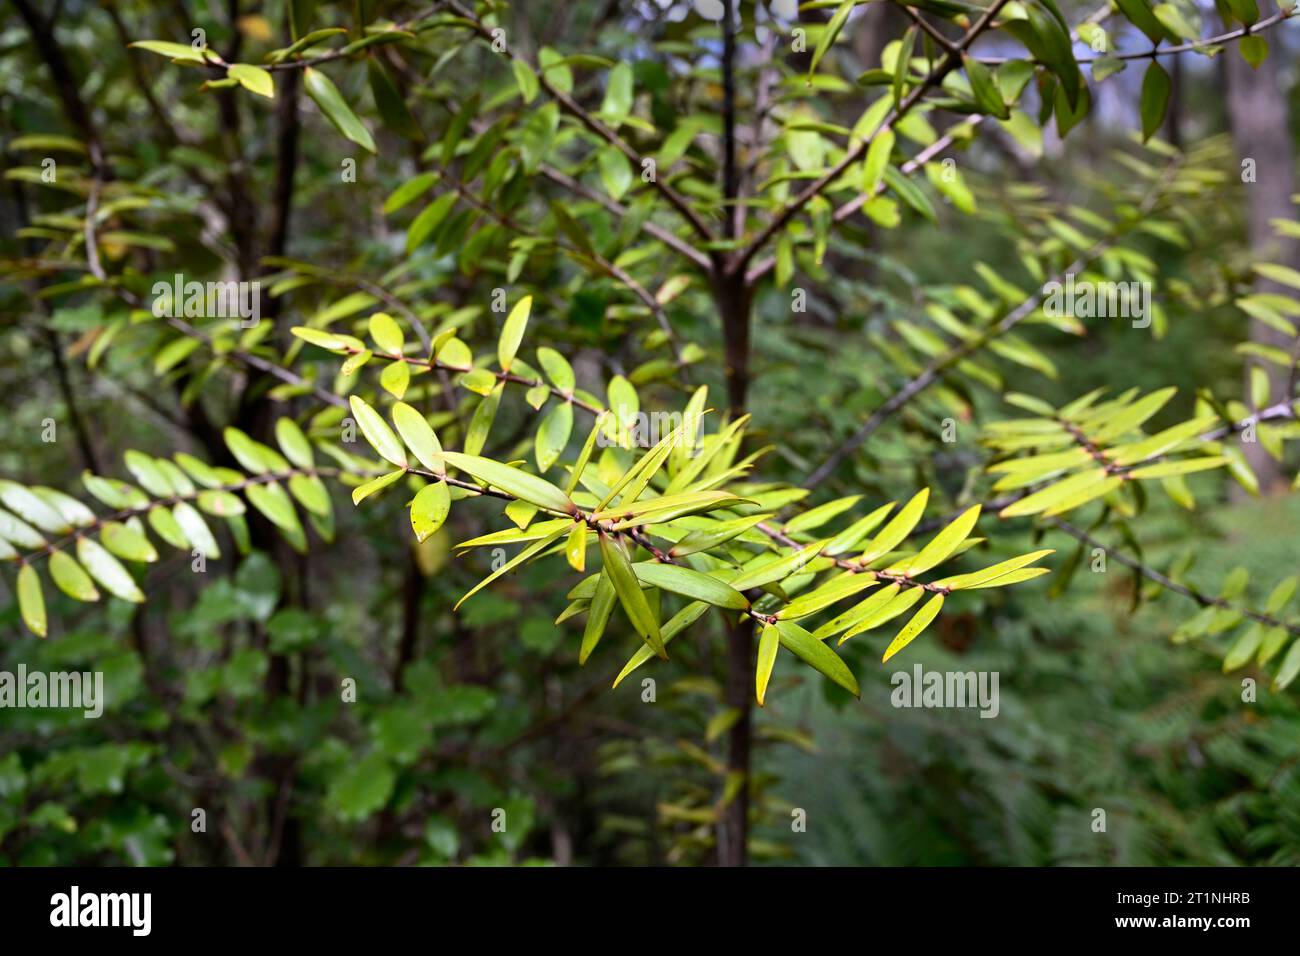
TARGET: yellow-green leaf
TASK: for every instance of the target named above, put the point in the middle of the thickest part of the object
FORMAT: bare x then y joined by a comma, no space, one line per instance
919,622
429,509
31,602
768,642
377,432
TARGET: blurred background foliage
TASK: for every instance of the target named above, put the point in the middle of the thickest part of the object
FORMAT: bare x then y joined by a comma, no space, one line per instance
225,696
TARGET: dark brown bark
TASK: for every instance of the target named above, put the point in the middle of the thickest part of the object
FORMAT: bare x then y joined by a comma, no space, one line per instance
733,827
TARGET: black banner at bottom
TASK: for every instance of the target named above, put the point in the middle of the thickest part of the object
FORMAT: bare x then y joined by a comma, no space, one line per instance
335,906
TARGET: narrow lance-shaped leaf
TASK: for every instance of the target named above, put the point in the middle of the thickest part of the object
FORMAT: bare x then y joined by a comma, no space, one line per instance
512,333
671,628
944,544
885,612
534,549
831,31
690,583
899,527
919,622
602,606
513,481
619,569
1156,87
768,642
575,550
817,655
326,95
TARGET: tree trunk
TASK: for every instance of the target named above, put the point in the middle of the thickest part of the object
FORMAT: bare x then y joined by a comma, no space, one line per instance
1257,113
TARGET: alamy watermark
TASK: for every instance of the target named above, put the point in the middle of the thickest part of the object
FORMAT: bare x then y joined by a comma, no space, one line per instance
1113,300
133,911
71,690
208,300
943,689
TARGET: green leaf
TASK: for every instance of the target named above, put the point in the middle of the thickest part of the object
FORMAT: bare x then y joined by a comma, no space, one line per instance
858,613
174,51
634,602
377,432
584,456
375,485
557,369
387,333
429,219
513,481
690,583
892,534
618,95
429,509
1290,668
326,95
943,545
985,89
553,435
71,578
707,538
275,504
575,549
902,64
602,606
974,578
481,423
410,190
831,31
126,542
768,642
392,106
419,437
1254,50
1085,482
1186,466
537,547
833,591
252,78
196,529
512,332
324,340
1139,14
777,569
615,172
878,153
395,378
31,602
919,622
31,507
816,517
885,612
817,655
1156,87
525,79
674,626
1014,577
910,193
294,443
309,491
106,570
